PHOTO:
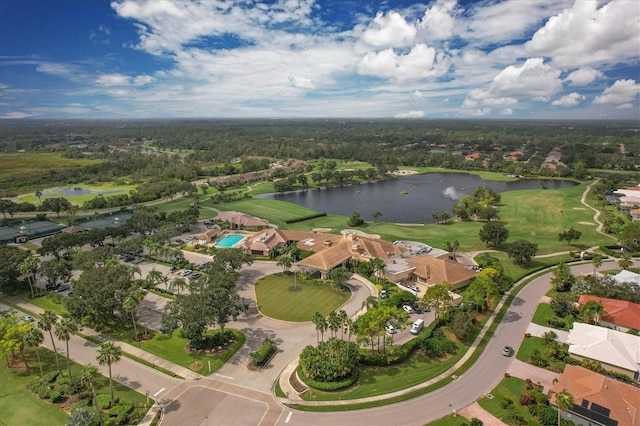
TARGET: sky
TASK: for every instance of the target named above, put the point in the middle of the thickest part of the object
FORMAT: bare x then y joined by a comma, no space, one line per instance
126,59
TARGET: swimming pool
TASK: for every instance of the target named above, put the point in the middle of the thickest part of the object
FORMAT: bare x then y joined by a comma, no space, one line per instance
229,241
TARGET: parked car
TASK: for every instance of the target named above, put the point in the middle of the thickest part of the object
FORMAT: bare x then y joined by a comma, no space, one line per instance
417,327
416,307
202,266
179,241
51,286
390,329
507,351
62,288
383,294
138,261
27,318
185,272
414,288
408,309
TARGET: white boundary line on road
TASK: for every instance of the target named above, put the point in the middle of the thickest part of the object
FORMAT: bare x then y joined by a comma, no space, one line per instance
223,376
159,392
289,417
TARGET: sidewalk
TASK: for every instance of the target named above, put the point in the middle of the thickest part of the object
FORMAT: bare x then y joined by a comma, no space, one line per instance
155,361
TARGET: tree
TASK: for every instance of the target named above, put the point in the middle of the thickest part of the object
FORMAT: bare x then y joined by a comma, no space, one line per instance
438,297
30,266
339,275
285,262
461,323
88,377
521,251
569,235
34,338
64,329
334,323
629,236
597,262
377,266
321,324
39,195
484,287
47,321
109,354
562,305
11,259
625,262
56,205
564,402
355,219
376,215
452,247
562,279
592,311
441,217
494,234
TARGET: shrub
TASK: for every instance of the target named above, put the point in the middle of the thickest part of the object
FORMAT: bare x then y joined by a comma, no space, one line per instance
527,399
263,353
57,396
104,401
121,412
547,416
332,361
476,422
51,377
505,403
329,386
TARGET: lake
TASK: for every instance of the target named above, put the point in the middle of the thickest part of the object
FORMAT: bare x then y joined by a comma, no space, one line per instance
425,194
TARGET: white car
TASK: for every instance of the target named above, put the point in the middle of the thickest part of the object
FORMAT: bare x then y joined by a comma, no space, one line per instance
390,329
408,309
27,318
414,288
185,272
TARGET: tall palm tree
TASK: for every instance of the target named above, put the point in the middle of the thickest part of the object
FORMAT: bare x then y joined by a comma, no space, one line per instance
333,323
179,283
375,216
34,338
285,262
597,263
377,265
64,329
109,354
564,401
343,320
30,266
39,195
155,277
88,377
46,322
625,262
321,325
129,305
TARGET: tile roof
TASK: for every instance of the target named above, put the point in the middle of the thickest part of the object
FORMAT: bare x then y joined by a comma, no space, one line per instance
241,219
436,270
588,387
620,312
605,345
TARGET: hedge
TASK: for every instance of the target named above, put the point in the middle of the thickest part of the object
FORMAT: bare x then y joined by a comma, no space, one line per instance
329,386
263,353
303,218
399,354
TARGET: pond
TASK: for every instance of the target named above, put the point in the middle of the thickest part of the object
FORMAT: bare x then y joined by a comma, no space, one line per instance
406,199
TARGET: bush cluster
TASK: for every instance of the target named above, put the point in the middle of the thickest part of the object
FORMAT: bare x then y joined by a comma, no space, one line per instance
212,342
121,412
263,353
328,386
437,346
303,218
331,361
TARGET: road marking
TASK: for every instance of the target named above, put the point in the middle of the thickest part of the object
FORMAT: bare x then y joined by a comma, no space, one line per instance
223,376
289,417
159,392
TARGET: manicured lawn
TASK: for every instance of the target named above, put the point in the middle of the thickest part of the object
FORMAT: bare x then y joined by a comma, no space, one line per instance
417,369
19,407
274,211
183,203
173,348
515,272
50,301
508,389
276,299
532,343
543,312
450,420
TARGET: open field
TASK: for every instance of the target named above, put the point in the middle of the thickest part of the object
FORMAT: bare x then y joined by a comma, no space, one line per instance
15,165
107,190
183,203
272,210
276,300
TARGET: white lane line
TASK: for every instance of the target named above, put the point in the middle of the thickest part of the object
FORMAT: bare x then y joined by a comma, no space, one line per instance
223,376
289,417
159,392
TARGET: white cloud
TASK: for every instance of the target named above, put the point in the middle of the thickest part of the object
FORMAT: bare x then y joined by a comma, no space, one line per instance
390,30
16,115
506,111
112,80
410,114
584,76
141,80
621,92
301,82
438,20
572,99
533,78
421,62
585,34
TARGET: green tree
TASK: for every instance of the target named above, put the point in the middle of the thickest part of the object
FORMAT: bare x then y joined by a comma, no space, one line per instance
461,323
377,266
47,321
562,279
438,297
339,275
592,311
597,262
285,262
88,377
376,215
494,234
521,251
63,331
625,262
452,246
34,338
321,324
30,266
564,402
569,235
562,305
355,219
109,354
629,236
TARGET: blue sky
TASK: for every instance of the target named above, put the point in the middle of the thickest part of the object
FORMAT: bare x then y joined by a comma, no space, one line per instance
323,58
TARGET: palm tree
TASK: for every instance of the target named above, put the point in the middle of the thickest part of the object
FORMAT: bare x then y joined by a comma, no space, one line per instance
88,377
625,262
64,329
452,246
30,266
377,265
179,283
109,354
334,323
321,324
285,262
46,322
129,305
39,195
155,277
375,216
343,320
564,401
592,311
34,338
597,263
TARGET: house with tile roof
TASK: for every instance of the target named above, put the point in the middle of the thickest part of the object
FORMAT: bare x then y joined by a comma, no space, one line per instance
615,350
620,315
625,276
598,399
242,221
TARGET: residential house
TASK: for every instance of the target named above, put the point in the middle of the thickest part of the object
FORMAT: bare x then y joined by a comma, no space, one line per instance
625,276
598,399
616,351
429,270
242,221
260,244
618,314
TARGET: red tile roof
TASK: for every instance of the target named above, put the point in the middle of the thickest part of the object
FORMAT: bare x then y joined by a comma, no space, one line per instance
618,312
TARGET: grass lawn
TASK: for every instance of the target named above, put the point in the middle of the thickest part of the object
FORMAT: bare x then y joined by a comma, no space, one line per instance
183,203
417,369
515,272
450,420
50,301
19,407
510,389
532,343
173,348
276,300
274,211
543,311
